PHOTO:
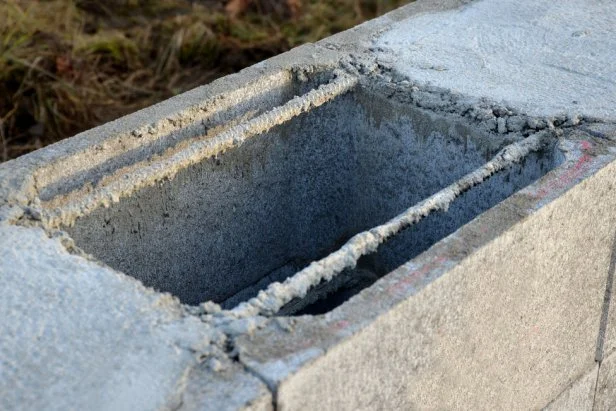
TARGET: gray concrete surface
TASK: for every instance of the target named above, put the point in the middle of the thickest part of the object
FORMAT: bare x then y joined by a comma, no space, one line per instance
580,395
72,326
605,397
544,58
313,184
511,314
125,251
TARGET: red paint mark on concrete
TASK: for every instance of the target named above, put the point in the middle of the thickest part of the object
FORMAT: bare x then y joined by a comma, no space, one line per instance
566,178
414,276
339,325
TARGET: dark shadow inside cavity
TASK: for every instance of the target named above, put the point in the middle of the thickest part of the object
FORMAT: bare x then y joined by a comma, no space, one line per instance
418,238
227,227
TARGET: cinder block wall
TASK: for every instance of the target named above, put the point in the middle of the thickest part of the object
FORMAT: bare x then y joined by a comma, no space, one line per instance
413,214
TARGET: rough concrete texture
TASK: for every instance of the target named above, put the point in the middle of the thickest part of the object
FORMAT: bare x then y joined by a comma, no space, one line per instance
222,384
367,242
494,293
607,338
605,397
71,326
544,58
580,395
517,316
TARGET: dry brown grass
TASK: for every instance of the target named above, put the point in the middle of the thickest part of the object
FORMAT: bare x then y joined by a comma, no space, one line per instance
68,65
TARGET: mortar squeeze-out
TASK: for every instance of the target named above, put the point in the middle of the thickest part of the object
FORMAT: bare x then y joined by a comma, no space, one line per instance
228,226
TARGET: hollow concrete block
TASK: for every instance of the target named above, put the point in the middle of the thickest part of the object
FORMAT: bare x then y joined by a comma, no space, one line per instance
163,260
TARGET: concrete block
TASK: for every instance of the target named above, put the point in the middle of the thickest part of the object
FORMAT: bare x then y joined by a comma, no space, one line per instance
76,334
436,334
607,337
416,213
580,395
495,54
605,397
222,384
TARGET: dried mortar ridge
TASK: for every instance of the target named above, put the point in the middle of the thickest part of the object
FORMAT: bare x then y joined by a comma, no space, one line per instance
421,130
126,182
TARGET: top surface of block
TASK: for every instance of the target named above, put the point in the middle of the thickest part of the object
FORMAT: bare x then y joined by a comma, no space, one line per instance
544,58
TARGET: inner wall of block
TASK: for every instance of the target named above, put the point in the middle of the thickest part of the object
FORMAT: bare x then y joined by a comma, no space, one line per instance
417,238
228,110
228,226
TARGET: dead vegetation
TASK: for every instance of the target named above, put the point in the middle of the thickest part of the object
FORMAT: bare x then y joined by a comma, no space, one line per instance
68,65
